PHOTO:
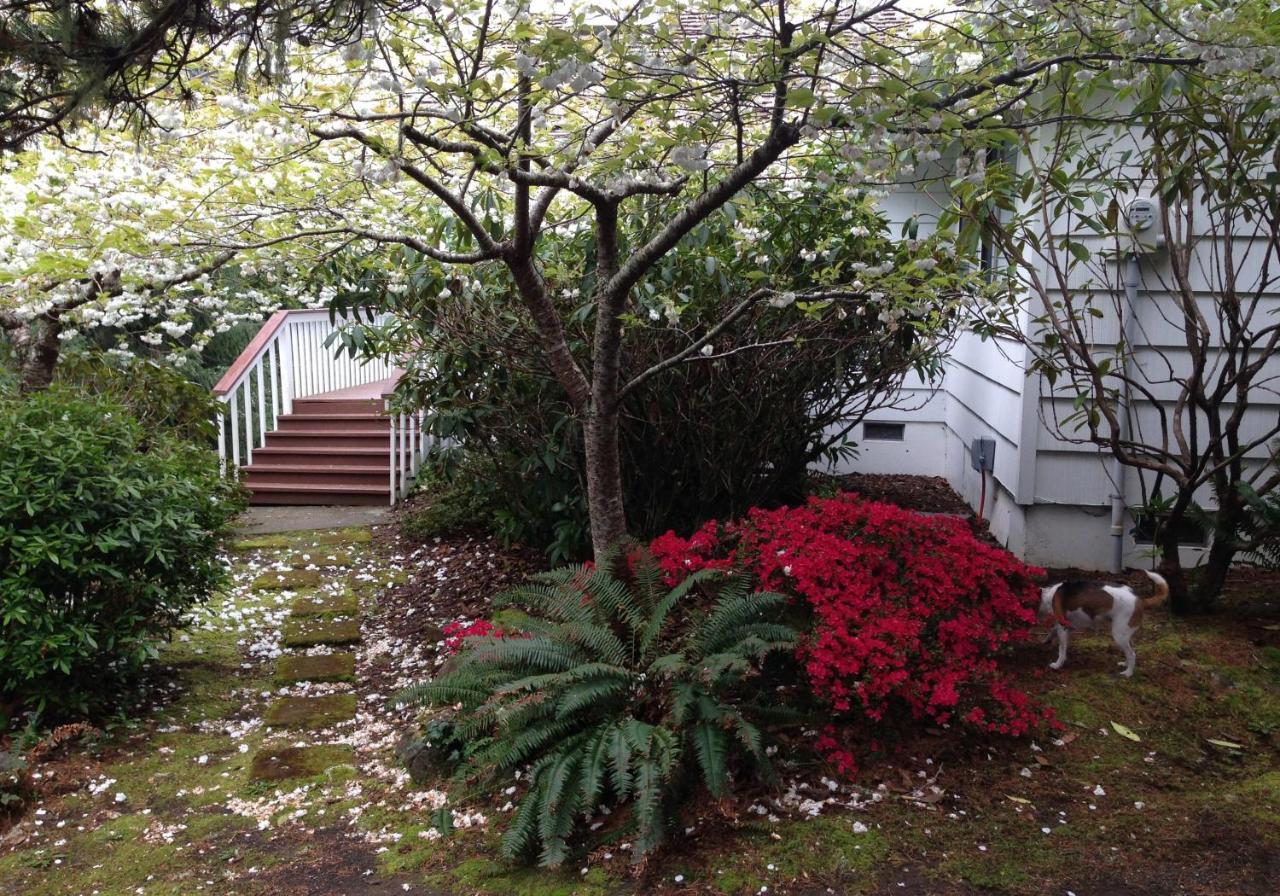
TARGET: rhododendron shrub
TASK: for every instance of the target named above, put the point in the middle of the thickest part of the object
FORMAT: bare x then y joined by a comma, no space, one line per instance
909,612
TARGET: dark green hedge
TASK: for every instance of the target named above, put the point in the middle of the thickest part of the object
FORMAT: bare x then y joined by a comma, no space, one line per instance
108,536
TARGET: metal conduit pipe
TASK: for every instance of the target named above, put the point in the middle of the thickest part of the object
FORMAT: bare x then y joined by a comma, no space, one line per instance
1119,507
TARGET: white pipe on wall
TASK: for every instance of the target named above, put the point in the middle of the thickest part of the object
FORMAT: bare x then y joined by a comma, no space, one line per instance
1119,507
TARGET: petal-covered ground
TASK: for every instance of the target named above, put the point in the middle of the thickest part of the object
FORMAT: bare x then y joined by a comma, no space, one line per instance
198,791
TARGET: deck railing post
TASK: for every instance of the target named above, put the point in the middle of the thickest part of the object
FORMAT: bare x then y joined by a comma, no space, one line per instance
287,387
275,384
235,429
404,458
391,449
222,442
248,421
262,402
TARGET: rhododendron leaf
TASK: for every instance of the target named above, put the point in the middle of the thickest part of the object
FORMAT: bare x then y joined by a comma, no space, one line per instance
1125,731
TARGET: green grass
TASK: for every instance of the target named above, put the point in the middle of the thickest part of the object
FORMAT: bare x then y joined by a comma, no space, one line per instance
467,861
821,851
1193,684
178,770
310,712
302,540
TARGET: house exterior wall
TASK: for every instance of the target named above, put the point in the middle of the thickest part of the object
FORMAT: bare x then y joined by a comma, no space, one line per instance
1049,498
981,393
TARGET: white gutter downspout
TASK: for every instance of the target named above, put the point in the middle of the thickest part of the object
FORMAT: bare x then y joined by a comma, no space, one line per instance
1119,508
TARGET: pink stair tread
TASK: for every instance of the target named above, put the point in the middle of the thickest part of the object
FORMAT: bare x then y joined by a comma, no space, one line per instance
332,449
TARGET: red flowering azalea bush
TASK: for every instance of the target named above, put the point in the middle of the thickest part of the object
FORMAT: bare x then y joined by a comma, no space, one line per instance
908,611
456,632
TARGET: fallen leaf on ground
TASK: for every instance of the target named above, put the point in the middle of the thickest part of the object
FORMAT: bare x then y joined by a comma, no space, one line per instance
1226,744
1125,731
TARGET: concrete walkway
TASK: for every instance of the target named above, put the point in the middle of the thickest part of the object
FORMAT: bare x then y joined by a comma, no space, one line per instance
269,520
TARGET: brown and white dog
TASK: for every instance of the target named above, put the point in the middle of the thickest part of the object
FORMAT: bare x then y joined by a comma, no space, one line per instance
1084,605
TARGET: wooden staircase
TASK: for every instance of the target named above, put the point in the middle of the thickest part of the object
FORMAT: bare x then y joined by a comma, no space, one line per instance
305,423
327,451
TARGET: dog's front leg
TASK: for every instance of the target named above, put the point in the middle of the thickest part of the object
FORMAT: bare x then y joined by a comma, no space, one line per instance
1064,636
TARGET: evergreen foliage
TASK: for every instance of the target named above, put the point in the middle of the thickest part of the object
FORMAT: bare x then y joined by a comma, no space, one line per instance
109,536
625,697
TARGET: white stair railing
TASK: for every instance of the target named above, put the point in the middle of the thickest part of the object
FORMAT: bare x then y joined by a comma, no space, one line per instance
410,445
287,359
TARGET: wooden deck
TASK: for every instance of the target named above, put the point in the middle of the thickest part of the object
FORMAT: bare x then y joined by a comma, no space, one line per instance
376,389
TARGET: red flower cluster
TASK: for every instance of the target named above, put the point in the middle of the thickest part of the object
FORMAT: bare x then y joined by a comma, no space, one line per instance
456,632
909,611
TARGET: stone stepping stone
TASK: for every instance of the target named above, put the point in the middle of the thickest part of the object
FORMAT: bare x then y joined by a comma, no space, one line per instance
306,632
327,667
344,604
303,540
310,712
322,558
288,580
279,763
344,536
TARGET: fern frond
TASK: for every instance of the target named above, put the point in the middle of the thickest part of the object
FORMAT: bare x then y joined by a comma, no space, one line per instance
601,641
445,690
533,738
560,800
711,748
732,611
648,578
619,751
774,634
658,617
595,767
538,653
590,695
521,837
650,784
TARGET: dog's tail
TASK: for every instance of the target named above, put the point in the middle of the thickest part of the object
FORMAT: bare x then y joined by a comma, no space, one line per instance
1161,592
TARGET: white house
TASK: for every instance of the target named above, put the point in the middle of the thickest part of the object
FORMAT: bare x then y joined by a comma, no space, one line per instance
1048,499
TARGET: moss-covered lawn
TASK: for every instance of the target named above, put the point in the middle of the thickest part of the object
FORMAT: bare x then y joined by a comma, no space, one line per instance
1191,806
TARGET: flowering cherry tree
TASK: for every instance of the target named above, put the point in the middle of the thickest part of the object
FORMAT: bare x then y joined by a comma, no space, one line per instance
475,136
115,235
488,131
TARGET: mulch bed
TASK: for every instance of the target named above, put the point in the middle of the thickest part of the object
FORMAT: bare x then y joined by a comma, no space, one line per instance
928,494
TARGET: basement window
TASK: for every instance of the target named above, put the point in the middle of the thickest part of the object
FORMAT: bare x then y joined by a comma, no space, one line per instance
1147,526
884,432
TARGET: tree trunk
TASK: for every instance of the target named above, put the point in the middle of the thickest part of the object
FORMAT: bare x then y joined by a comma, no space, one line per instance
1171,569
1198,591
35,347
1212,575
604,480
604,464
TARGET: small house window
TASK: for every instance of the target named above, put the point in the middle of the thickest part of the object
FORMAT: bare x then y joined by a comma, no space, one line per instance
1146,528
884,432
